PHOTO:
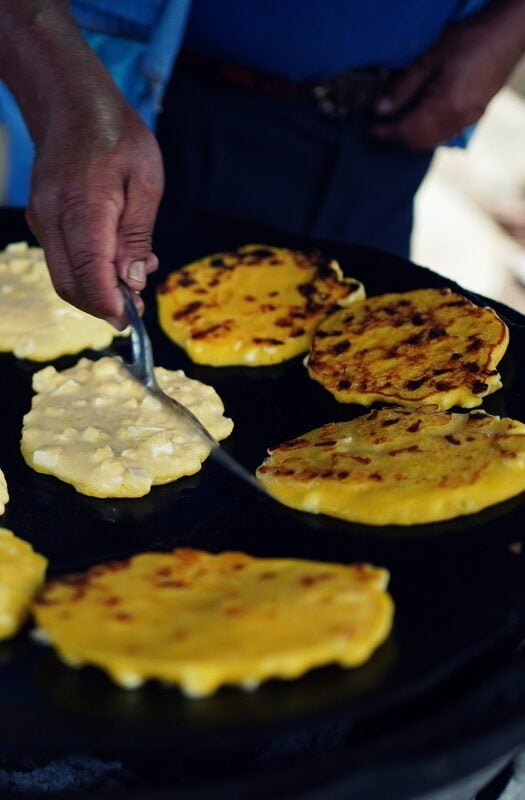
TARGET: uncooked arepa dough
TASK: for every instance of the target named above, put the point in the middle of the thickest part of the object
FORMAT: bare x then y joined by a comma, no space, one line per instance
35,323
94,426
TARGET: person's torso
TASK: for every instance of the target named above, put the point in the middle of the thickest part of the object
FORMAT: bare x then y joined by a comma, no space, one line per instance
308,38
295,38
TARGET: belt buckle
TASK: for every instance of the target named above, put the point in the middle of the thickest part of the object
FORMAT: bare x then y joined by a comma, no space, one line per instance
349,93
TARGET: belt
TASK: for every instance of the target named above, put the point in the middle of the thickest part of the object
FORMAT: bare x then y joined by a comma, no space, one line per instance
337,97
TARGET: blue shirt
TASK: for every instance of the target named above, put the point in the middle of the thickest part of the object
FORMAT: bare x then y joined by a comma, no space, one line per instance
138,41
134,18
304,39
296,38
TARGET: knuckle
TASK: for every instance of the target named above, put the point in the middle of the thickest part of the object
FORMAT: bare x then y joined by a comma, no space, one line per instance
83,263
84,293
65,287
38,207
31,217
66,291
137,237
77,205
152,186
461,113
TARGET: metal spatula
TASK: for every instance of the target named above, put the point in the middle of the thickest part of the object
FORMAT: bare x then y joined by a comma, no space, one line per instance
141,368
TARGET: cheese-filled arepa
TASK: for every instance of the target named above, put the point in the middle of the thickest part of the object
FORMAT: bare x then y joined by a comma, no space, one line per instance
35,323
97,428
200,620
424,346
22,573
399,466
253,306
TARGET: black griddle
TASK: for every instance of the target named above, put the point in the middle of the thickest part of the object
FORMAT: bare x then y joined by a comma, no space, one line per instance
441,700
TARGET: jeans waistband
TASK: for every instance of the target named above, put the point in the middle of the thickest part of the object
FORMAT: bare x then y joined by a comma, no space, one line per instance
337,97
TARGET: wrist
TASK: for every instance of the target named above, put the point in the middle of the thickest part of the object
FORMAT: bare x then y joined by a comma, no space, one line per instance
507,18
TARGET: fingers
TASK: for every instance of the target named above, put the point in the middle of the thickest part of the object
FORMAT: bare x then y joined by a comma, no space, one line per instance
135,261
80,243
407,113
142,269
438,115
92,236
420,129
419,119
405,88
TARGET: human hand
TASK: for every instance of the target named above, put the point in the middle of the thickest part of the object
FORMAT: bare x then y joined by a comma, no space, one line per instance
96,186
450,85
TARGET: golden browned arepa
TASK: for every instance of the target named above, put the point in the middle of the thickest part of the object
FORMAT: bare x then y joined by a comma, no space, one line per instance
253,306
424,346
22,572
201,621
398,466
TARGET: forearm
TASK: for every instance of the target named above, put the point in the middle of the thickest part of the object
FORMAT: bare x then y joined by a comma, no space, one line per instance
97,175
506,19
48,66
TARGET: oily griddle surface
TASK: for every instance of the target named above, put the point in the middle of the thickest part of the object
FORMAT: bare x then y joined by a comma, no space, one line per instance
459,586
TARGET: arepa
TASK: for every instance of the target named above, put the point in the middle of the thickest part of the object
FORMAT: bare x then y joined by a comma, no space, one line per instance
253,306
202,621
424,346
399,466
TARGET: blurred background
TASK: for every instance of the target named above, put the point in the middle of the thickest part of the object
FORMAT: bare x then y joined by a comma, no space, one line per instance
470,210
